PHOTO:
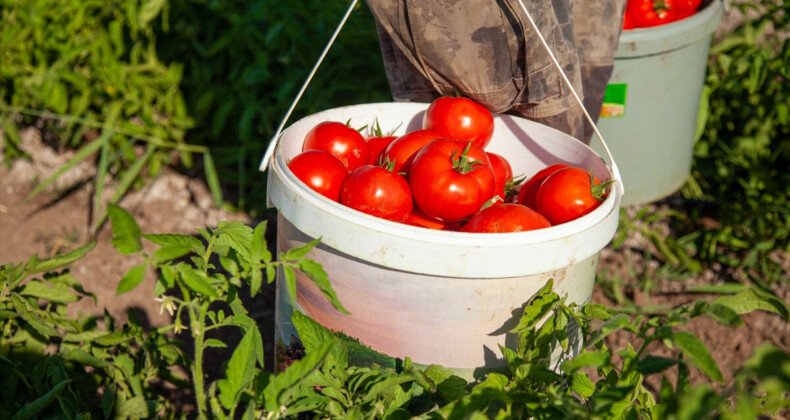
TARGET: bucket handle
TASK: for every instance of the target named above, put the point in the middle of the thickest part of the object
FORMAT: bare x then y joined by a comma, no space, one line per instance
615,171
276,137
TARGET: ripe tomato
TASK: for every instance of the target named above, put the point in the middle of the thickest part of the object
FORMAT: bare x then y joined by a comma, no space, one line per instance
648,13
340,140
377,145
528,193
451,179
321,171
568,194
507,217
377,191
460,118
420,219
402,150
503,173
628,21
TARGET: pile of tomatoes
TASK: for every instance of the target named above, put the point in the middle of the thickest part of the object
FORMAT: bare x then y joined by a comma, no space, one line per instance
440,176
649,13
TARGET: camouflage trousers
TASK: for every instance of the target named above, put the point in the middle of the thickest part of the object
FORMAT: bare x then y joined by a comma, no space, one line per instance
487,50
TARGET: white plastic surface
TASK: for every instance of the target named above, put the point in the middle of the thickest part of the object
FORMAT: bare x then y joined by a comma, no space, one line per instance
528,146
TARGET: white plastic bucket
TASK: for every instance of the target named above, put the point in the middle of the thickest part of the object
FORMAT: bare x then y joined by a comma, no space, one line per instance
437,297
659,73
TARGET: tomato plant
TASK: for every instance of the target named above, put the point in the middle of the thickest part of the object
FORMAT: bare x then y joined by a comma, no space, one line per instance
451,179
460,118
568,194
503,173
528,193
401,151
321,171
342,141
377,191
505,217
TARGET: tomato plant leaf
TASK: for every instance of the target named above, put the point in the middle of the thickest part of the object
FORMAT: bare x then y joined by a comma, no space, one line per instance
654,364
617,322
594,359
196,281
239,370
313,335
131,279
316,273
59,292
582,385
33,408
696,352
282,388
171,252
172,239
752,299
299,252
237,236
35,265
125,230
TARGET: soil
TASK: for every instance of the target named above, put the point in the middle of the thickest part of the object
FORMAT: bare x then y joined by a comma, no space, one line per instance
58,220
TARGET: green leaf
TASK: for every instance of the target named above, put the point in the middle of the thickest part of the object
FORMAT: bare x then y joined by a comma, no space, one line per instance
237,236
696,352
538,307
197,281
240,369
582,385
724,315
753,299
150,11
212,179
171,252
316,273
282,387
726,288
313,335
35,265
135,407
81,154
84,358
213,342
172,239
299,252
593,359
125,230
654,364
132,279
59,292
33,408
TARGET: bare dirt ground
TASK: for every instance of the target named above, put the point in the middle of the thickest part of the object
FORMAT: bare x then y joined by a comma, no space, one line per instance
57,221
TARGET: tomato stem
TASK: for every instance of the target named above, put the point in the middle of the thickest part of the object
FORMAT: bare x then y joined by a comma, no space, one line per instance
461,165
598,191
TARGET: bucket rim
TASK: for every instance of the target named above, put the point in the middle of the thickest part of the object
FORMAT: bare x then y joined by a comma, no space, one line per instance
612,201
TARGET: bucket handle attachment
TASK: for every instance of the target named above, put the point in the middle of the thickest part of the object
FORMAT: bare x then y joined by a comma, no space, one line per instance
615,171
276,137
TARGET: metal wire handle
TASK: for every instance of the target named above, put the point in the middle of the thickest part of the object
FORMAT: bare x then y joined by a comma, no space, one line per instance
275,139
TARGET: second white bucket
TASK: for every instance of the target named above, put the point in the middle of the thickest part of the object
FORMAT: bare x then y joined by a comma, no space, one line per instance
437,297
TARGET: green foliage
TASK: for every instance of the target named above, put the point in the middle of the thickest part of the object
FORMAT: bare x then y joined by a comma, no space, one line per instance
245,61
742,155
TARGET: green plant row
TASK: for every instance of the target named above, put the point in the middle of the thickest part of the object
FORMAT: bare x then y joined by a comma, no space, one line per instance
53,365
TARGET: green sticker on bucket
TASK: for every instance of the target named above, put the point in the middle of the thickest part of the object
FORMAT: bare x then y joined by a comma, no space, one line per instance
614,100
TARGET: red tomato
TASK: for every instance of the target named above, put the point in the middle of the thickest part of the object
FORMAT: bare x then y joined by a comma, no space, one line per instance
340,140
402,150
451,179
628,21
648,13
568,194
377,145
503,172
528,193
687,5
460,118
420,219
321,171
377,191
507,217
